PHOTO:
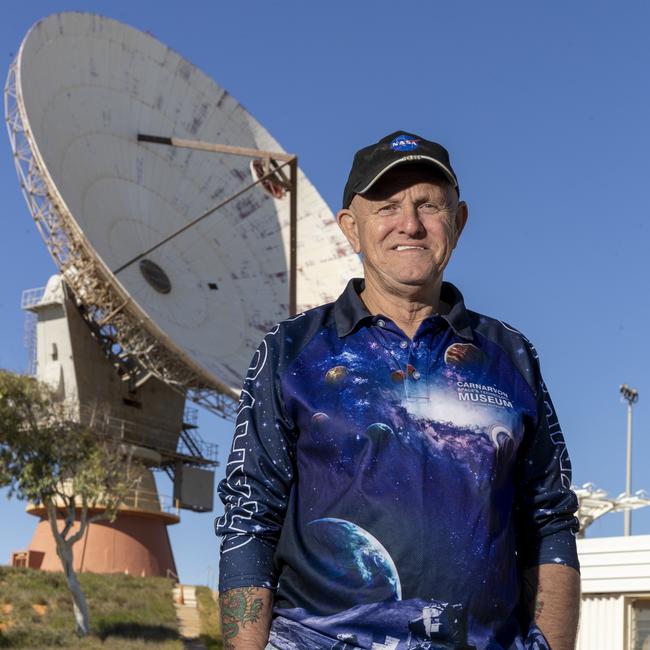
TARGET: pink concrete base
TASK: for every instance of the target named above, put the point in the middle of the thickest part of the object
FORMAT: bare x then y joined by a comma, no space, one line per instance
135,544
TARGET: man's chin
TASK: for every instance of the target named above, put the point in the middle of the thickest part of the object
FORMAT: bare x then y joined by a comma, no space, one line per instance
402,282
409,285
423,280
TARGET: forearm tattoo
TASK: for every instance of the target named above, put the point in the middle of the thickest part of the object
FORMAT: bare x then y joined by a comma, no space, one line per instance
238,608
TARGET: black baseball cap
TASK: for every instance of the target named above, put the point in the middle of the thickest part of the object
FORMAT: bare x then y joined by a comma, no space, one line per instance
371,162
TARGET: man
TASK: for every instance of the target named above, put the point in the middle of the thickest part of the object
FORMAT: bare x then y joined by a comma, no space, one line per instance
398,477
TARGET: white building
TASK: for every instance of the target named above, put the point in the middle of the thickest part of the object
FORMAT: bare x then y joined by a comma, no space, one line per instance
615,593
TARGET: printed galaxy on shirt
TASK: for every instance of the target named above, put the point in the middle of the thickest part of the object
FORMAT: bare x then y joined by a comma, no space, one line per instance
400,528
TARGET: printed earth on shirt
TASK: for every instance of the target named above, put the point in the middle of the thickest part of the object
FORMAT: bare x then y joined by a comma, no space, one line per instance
410,466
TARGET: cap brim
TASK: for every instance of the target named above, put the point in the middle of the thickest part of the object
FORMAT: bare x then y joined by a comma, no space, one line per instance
411,159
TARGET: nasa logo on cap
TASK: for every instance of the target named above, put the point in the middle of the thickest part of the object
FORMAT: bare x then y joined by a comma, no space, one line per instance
404,142
398,147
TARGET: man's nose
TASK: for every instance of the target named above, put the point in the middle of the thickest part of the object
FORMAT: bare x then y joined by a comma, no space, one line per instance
410,222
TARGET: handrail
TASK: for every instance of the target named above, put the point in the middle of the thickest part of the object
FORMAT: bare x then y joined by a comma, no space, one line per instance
140,499
31,297
148,434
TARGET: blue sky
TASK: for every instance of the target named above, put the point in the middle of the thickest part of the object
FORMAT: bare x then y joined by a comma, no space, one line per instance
544,108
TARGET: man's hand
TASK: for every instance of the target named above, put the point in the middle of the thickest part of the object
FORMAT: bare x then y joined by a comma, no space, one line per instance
245,617
552,593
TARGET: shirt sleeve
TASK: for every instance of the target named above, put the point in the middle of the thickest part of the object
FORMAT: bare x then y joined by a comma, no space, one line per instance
546,505
259,475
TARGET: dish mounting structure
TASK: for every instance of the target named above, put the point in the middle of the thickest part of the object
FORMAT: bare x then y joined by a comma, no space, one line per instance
129,335
105,312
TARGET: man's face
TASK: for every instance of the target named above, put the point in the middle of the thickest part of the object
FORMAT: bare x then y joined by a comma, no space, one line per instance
405,228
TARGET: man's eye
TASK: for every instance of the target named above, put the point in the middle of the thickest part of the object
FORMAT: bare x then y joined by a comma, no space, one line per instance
391,208
431,208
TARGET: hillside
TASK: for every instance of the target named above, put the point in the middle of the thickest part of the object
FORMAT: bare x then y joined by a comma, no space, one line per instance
126,612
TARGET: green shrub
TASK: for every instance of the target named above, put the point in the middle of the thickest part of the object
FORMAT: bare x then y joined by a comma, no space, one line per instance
210,619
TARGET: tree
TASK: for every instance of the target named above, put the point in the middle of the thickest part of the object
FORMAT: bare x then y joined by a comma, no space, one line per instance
48,457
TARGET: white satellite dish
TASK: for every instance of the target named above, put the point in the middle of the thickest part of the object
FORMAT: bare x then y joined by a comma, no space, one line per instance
191,311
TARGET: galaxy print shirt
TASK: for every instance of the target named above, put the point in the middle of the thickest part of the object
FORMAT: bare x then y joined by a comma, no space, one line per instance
392,490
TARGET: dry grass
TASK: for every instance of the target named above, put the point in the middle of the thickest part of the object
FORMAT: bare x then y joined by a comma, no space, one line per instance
125,612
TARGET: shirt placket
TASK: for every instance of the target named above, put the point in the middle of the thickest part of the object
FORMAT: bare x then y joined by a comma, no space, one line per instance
409,359
417,367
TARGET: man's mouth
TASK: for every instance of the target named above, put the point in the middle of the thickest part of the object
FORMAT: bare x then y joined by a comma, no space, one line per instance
408,248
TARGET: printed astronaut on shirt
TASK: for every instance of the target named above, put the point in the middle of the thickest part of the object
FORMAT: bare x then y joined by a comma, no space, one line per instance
395,489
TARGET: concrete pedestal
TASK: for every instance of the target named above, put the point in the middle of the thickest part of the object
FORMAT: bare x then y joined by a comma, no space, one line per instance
136,543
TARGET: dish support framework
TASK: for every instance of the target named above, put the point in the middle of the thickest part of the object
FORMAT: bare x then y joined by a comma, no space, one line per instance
135,345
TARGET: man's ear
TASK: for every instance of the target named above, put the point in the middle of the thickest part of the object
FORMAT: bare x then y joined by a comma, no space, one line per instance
462,213
347,221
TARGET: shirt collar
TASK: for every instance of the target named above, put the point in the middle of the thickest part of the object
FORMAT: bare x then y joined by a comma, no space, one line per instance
458,318
349,309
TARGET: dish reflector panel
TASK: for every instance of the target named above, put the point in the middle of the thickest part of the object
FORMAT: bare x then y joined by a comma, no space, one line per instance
194,309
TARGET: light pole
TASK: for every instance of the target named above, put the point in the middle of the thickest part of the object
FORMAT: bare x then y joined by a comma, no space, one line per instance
631,395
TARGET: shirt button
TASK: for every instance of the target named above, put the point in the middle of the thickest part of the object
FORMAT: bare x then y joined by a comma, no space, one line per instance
381,323
403,345
416,375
